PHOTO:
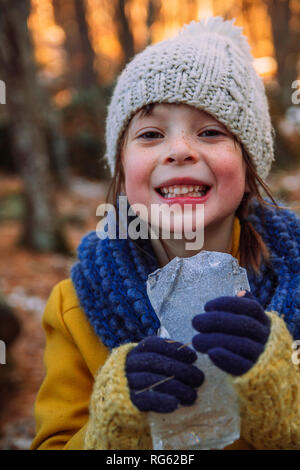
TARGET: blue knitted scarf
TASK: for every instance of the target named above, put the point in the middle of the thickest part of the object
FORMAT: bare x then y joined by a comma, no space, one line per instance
110,279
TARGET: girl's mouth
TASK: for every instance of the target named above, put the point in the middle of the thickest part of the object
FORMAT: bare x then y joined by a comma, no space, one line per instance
183,191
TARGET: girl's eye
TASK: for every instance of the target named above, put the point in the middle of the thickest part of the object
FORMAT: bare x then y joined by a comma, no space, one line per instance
150,135
211,133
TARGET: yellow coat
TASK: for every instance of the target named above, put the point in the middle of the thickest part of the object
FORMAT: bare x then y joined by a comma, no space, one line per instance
84,402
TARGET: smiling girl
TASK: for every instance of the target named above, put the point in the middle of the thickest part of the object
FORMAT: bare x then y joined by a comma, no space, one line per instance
188,123
180,154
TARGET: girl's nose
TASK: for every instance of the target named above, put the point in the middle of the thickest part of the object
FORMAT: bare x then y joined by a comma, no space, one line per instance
180,158
181,153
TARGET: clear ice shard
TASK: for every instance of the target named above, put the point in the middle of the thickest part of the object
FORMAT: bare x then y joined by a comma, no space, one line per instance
178,292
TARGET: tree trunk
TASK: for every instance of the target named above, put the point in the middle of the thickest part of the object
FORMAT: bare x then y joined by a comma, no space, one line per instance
57,147
88,77
71,16
24,106
124,31
154,7
286,47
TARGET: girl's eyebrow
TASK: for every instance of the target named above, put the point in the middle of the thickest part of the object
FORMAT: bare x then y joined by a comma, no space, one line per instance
158,115
136,123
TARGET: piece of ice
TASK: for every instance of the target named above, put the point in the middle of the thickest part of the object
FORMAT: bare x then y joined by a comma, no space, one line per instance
178,292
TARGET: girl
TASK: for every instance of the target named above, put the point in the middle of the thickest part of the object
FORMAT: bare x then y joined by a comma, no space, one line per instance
188,123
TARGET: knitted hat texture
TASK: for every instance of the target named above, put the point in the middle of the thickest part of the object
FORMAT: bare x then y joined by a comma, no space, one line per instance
207,65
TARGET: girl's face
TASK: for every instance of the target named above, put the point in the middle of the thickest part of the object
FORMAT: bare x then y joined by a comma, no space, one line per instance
175,153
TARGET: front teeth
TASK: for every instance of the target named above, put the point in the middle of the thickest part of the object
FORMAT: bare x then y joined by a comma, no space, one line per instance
191,190
192,194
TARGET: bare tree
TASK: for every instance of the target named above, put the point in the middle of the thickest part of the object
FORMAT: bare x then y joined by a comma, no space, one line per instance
24,105
124,30
286,44
88,74
154,7
71,16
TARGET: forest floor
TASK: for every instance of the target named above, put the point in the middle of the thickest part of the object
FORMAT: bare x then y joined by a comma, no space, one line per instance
26,280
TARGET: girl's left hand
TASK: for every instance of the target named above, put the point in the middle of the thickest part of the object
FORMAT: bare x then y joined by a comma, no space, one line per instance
233,333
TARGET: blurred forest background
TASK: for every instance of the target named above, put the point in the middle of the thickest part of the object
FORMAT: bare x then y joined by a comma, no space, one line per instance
58,63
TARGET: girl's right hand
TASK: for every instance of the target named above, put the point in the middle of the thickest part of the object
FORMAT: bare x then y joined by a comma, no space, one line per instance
168,362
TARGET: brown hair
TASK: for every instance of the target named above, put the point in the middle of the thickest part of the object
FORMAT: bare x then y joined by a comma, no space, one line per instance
252,248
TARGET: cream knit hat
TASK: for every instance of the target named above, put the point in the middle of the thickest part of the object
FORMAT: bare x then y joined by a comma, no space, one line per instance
208,65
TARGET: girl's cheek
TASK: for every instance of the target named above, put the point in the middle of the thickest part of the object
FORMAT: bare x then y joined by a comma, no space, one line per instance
230,179
137,171
135,179
230,165
136,183
231,173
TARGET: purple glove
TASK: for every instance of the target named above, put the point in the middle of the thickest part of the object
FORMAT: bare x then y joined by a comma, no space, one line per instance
233,333
155,359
